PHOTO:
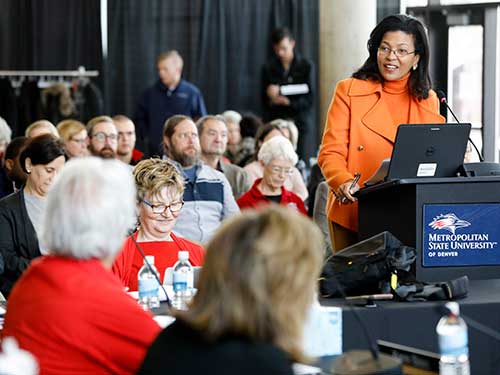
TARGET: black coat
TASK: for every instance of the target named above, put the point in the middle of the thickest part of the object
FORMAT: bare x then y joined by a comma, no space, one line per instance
18,240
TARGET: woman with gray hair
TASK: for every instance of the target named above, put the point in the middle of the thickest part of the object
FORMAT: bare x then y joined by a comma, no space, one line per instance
79,318
277,158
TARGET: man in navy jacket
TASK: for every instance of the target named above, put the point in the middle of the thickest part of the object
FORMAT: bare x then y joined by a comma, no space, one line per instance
170,95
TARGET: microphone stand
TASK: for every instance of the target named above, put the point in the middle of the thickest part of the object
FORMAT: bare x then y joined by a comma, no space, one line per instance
169,303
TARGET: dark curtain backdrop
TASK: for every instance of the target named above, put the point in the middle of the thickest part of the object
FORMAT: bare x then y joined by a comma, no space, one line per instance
50,34
223,42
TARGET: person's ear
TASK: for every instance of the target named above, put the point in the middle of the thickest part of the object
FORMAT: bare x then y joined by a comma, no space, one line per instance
28,165
9,164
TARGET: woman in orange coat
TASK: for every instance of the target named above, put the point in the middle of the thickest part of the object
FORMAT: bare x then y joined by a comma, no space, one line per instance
392,87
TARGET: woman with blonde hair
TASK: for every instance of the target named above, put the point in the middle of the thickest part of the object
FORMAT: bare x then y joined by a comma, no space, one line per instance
257,284
74,135
160,188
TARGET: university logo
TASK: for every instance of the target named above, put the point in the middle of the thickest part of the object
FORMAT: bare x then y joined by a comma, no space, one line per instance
449,222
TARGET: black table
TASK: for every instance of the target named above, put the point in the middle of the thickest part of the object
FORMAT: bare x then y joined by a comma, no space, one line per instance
414,324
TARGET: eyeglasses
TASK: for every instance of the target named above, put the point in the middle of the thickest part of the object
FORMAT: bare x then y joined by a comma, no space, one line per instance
101,137
399,52
279,170
125,134
79,141
174,207
187,135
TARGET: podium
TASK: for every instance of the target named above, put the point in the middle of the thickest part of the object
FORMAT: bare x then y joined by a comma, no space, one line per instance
453,223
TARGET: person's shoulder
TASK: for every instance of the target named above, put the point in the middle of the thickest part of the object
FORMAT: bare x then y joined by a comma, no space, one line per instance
187,86
11,200
357,87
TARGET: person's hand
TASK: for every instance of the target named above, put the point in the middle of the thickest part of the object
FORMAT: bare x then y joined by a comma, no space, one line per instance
281,100
344,192
273,91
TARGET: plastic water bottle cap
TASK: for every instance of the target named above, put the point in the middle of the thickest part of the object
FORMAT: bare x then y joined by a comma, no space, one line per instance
453,307
150,259
183,255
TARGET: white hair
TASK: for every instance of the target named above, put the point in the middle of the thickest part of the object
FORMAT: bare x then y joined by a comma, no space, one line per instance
232,116
5,131
278,147
89,209
292,128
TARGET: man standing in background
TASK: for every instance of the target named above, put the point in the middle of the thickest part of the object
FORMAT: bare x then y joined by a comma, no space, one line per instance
171,95
287,85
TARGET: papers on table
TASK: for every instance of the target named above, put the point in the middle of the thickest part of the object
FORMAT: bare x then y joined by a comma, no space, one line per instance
323,331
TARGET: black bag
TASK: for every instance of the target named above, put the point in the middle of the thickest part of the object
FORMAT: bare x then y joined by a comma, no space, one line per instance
366,267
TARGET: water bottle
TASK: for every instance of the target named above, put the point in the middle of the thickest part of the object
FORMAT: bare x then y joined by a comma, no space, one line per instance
148,285
182,281
453,343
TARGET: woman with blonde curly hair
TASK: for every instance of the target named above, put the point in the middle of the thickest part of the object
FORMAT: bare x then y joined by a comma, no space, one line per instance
257,284
160,188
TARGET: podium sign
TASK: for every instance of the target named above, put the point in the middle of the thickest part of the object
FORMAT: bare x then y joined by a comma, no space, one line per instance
460,235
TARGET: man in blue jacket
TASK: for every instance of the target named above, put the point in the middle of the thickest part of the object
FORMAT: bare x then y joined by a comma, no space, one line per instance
170,95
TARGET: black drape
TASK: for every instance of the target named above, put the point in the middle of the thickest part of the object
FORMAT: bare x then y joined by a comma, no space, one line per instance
50,34
224,44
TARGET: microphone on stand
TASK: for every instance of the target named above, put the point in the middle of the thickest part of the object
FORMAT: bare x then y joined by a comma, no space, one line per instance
442,98
169,303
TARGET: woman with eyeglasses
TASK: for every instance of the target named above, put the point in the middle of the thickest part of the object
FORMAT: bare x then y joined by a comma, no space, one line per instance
160,188
74,136
277,158
392,87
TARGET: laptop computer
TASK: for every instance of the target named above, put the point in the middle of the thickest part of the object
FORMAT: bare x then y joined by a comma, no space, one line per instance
428,150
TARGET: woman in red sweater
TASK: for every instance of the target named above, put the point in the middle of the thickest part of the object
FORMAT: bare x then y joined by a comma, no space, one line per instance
159,193
278,158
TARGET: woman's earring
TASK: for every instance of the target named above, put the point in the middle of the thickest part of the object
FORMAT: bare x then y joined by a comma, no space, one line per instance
415,67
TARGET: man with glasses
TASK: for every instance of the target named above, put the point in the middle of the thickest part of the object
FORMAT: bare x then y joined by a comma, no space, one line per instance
103,137
126,150
208,196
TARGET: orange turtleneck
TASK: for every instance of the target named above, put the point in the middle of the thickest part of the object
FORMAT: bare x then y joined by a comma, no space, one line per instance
397,96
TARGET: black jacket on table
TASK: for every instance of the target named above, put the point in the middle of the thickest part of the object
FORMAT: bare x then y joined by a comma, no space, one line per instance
179,349
18,240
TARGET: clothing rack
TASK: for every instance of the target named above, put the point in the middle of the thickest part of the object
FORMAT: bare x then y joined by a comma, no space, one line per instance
81,72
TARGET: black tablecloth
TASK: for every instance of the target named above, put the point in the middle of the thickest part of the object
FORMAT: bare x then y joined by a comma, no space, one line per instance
414,324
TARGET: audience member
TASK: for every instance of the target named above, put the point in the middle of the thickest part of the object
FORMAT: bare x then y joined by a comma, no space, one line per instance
126,150
208,197
21,212
74,136
68,309
41,127
233,120
159,195
5,137
256,287
287,67
277,158
213,134
294,181
170,95
15,173
103,137
249,125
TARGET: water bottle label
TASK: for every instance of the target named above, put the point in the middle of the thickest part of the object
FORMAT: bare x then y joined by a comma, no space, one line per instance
454,345
180,281
148,288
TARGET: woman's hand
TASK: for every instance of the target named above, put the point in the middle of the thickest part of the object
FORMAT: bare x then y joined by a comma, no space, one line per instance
345,191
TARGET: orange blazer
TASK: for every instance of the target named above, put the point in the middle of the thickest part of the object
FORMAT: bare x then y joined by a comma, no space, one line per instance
359,134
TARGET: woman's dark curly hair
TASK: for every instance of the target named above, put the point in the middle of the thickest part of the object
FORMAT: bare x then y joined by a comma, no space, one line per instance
420,81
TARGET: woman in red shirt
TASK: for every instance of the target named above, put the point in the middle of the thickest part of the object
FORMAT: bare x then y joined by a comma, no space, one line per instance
159,192
277,158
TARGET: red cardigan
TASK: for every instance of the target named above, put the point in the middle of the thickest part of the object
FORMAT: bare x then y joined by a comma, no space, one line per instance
75,318
253,198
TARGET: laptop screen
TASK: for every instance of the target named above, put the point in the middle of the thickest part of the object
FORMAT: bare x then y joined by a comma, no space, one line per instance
428,150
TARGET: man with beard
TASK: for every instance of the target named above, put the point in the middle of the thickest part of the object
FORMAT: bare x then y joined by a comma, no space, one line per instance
213,133
103,137
207,196
126,150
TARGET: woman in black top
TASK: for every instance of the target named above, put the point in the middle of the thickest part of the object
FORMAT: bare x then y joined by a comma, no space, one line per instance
257,283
